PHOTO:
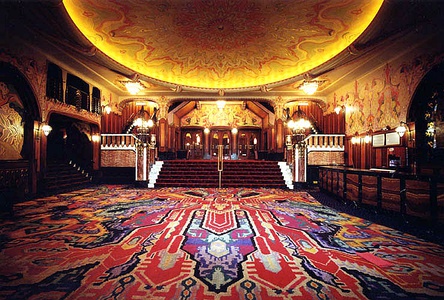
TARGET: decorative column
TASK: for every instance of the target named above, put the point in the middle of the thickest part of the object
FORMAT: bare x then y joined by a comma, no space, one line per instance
162,115
279,121
142,163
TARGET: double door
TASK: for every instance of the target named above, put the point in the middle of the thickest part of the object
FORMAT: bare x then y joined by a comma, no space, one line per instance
248,144
221,137
235,145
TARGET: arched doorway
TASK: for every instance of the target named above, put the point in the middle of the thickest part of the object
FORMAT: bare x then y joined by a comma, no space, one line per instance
426,139
18,98
70,140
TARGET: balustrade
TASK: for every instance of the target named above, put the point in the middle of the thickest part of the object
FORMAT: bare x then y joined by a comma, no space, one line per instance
323,142
118,141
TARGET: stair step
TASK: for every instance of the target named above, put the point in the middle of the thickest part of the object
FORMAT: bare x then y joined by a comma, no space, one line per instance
235,174
62,177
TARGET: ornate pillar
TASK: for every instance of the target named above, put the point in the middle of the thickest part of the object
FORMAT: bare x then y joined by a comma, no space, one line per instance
279,124
142,163
162,113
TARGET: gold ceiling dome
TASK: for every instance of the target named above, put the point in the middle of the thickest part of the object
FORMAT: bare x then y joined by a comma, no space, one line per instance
221,44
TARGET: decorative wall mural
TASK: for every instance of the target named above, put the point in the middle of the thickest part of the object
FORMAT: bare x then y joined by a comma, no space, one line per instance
232,115
375,104
11,129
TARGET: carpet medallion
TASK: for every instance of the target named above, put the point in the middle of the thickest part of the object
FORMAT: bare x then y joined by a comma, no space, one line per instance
116,242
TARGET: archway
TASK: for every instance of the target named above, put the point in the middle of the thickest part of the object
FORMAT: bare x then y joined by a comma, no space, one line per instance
427,111
18,96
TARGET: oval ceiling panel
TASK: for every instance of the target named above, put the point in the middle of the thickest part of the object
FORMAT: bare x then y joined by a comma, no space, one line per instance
221,44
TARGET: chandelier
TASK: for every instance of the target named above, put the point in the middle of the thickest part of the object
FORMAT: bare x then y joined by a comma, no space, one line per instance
301,122
298,125
143,122
309,87
133,87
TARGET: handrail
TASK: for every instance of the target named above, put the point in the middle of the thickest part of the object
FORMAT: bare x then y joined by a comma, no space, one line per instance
220,162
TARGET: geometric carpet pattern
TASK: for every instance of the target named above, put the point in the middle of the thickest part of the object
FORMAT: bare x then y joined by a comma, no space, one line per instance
117,242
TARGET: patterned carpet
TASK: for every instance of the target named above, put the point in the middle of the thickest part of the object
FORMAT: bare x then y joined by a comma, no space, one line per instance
116,242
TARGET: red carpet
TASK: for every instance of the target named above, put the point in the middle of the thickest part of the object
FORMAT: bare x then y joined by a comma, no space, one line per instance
114,242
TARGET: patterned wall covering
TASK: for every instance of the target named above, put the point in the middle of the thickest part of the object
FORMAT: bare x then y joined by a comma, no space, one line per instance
11,129
232,115
382,98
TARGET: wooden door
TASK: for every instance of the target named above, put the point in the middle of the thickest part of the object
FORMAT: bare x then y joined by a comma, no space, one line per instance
220,137
248,144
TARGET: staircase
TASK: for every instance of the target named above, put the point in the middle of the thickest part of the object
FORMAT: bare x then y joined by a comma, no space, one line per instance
256,174
62,176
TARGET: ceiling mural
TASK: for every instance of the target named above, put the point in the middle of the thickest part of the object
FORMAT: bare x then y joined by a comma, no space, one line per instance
233,116
219,44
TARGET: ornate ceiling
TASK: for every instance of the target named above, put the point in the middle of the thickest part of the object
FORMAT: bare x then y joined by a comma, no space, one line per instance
222,44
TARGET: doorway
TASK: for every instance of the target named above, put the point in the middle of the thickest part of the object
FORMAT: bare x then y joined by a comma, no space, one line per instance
248,144
193,144
220,137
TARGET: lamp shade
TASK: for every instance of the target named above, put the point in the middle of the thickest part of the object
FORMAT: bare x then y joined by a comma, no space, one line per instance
46,129
401,130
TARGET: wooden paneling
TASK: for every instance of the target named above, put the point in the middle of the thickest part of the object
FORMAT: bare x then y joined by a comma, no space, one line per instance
352,187
370,190
417,198
402,193
390,194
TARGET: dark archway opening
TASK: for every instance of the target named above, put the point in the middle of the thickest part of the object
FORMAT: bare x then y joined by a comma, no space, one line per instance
70,140
427,111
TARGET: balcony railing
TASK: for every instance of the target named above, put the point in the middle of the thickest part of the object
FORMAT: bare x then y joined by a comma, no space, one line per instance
325,142
119,142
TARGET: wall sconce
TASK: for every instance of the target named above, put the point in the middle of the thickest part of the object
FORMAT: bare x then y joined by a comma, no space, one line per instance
46,129
234,130
355,139
338,109
401,129
367,138
107,109
207,130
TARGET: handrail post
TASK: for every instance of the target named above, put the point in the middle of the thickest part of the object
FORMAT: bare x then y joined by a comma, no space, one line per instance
220,162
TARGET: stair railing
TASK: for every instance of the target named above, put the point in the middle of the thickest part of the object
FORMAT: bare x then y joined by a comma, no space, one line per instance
80,169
